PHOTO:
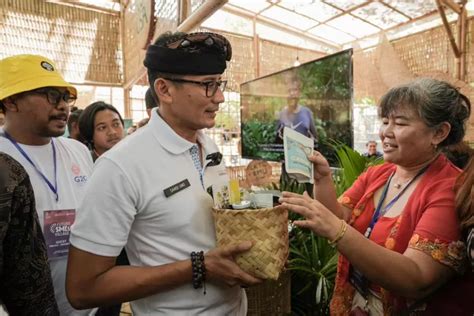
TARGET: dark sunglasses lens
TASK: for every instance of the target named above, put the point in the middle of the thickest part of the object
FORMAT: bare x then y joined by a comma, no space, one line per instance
54,96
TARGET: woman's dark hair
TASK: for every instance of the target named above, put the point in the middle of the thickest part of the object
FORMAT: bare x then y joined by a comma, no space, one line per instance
435,102
86,120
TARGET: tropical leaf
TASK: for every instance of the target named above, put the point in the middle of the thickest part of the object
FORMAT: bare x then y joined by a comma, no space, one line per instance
313,261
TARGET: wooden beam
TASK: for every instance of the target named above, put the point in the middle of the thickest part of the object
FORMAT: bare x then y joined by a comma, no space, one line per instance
86,6
256,49
282,27
396,10
396,28
184,10
462,43
210,29
126,103
452,5
201,14
448,29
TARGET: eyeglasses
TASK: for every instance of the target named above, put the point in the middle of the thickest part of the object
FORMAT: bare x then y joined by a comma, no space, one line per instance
199,40
55,96
211,86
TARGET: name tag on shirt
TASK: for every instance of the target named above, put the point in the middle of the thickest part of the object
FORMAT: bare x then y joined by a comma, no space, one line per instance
56,231
175,188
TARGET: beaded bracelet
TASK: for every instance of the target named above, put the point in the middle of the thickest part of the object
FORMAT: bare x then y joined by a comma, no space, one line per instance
339,236
199,270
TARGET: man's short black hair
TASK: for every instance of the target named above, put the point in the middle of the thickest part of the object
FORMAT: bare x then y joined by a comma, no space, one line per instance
73,118
150,101
86,120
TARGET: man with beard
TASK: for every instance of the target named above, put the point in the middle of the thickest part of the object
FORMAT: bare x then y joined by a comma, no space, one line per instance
36,99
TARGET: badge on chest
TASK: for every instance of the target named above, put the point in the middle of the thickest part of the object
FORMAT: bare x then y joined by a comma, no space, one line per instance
56,230
175,188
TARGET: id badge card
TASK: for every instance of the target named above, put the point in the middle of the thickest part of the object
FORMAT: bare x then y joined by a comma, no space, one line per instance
56,231
359,281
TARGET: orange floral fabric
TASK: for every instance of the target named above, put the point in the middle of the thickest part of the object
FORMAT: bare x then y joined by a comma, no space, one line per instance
450,254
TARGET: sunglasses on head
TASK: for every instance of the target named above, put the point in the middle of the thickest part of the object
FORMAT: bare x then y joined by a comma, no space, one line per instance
55,96
202,40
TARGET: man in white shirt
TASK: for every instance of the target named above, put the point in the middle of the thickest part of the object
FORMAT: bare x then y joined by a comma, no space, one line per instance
150,194
36,100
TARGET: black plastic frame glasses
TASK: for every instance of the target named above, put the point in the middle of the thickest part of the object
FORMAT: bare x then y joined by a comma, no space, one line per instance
55,96
211,86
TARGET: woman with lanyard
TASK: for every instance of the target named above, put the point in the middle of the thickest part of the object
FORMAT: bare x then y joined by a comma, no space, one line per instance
396,228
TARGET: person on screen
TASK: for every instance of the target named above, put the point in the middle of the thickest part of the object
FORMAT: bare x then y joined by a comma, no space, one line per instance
295,116
372,151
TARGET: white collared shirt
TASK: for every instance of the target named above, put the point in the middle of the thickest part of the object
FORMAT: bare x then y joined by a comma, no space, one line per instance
74,165
125,205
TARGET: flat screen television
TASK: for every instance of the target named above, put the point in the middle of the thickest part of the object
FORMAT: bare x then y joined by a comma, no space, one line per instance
314,99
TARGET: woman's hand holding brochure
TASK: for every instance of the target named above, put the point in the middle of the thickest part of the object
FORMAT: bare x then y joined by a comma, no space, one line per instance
298,148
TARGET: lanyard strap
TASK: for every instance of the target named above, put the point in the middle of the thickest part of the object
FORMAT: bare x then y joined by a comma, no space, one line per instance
379,212
53,188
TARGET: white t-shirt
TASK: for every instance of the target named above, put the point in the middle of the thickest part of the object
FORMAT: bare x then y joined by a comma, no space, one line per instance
74,166
126,205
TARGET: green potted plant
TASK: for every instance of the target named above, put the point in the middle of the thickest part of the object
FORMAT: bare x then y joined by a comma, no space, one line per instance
313,262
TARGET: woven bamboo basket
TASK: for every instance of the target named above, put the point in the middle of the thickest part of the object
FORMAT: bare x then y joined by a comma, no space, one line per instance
267,228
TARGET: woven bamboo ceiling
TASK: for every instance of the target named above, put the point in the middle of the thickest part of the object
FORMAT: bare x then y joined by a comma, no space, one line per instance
324,25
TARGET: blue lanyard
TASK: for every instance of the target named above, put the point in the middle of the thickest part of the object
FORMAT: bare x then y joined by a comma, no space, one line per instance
53,188
379,212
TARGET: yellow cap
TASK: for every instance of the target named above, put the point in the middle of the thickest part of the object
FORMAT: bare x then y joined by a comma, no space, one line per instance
22,73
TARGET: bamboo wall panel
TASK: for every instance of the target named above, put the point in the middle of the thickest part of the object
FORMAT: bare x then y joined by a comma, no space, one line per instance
241,68
425,54
428,51
430,54
470,52
166,15
275,57
84,44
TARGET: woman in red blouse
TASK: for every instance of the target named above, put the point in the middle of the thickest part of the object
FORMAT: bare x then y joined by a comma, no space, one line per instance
396,228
